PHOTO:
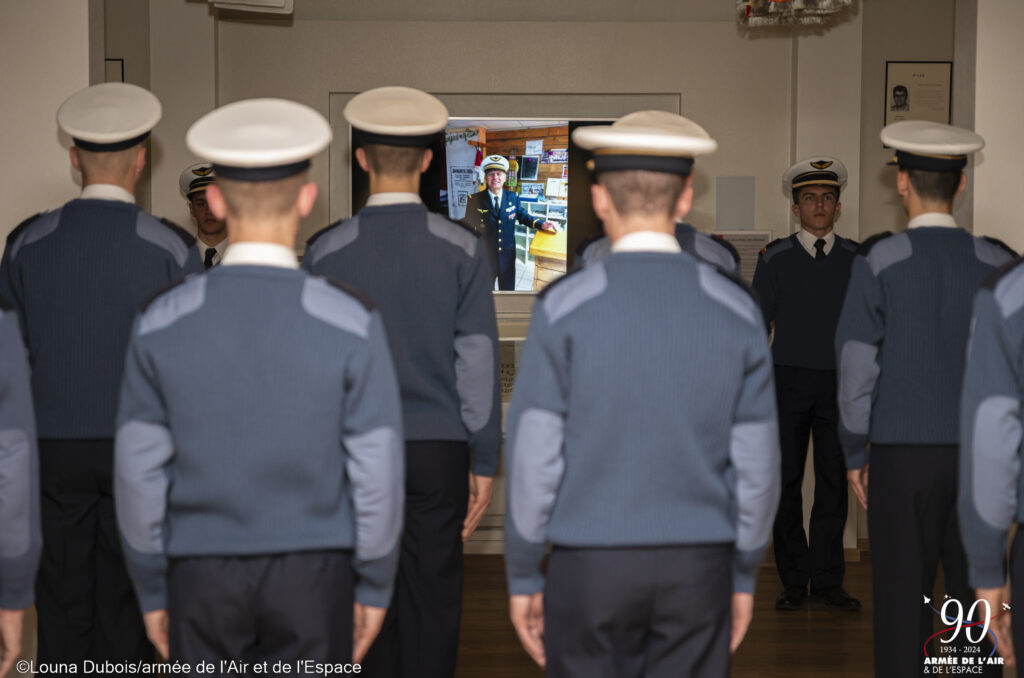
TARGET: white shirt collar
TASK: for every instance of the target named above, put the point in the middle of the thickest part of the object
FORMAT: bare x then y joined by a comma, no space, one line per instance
259,254
647,241
220,247
807,239
491,196
932,219
107,192
392,199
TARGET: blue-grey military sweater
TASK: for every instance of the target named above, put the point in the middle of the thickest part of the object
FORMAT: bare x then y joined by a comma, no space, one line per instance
713,250
77,276
900,343
20,532
643,415
282,434
803,297
991,482
430,279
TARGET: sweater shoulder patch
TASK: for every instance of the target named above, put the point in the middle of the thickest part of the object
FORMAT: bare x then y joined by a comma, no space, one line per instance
582,247
148,301
1001,245
454,232
316,236
173,303
356,294
1007,286
13,235
338,305
329,240
165,235
865,247
1007,272
185,236
774,247
730,291
572,290
847,244
36,227
718,239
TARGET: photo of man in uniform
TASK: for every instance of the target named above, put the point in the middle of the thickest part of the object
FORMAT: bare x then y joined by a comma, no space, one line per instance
493,213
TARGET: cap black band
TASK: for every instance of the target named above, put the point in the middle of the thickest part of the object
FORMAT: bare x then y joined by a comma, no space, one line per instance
930,163
652,163
95,147
816,177
260,173
199,184
362,137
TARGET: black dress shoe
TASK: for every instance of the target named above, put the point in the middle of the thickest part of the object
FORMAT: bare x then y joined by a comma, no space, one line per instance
791,599
835,596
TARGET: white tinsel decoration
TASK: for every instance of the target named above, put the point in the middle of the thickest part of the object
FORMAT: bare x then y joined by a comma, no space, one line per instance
775,12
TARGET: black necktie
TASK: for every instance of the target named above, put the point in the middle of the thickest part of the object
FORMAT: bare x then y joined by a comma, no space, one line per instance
211,252
819,245
495,200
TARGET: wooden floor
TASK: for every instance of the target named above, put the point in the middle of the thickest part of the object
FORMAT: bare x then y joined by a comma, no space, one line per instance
813,642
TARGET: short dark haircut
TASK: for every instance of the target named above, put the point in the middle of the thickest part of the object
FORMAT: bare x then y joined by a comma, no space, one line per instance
796,191
934,186
393,160
900,88
643,191
263,199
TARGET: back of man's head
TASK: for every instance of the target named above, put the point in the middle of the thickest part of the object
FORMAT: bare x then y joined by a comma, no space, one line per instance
393,161
108,167
642,192
262,200
934,187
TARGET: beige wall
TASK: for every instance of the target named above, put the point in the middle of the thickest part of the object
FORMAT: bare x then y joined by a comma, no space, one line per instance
126,37
183,76
828,125
908,30
999,97
737,87
44,49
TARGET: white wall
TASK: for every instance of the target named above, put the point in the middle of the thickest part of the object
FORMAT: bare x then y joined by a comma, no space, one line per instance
44,49
999,97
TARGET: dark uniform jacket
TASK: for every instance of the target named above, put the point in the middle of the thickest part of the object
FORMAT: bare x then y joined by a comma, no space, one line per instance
498,230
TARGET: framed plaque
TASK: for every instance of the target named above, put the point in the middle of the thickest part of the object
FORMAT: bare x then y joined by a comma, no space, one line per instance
918,90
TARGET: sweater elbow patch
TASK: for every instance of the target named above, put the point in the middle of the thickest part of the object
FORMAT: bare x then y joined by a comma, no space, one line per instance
376,472
995,462
474,379
755,455
15,488
858,372
141,451
537,466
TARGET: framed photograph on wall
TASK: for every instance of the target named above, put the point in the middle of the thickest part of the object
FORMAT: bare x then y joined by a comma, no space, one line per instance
529,167
918,90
